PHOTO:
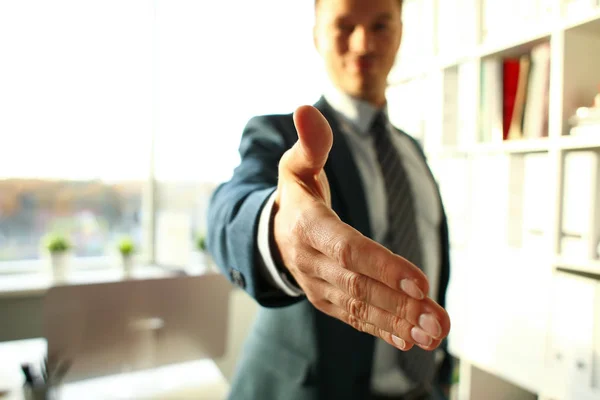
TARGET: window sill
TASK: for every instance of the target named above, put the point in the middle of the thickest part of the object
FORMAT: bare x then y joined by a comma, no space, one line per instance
33,278
35,266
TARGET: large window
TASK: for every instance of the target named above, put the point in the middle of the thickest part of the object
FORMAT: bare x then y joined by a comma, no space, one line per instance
86,86
92,213
75,122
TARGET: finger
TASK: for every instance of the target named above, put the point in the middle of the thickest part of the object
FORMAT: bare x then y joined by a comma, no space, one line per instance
362,326
399,313
400,326
315,138
398,340
355,252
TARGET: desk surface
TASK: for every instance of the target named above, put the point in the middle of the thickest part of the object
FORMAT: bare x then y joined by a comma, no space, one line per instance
192,380
36,284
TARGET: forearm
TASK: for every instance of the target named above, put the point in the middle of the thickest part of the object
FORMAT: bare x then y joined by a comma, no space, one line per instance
235,209
233,220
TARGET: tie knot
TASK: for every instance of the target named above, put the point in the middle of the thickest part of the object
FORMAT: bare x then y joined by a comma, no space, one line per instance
379,126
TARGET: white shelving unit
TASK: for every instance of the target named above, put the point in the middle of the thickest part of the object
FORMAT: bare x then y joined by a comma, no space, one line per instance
524,214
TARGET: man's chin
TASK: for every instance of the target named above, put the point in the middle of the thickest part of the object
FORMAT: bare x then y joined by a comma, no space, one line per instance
364,90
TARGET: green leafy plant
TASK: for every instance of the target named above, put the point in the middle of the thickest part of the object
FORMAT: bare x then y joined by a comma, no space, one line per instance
126,246
201,243
57,243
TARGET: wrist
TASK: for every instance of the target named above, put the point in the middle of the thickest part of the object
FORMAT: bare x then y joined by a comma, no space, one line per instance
275,252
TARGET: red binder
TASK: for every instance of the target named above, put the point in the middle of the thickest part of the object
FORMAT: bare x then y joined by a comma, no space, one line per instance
510,81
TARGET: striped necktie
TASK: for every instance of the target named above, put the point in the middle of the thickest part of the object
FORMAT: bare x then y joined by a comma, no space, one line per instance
402,235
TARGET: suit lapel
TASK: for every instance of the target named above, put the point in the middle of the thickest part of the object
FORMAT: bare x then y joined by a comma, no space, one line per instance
349,202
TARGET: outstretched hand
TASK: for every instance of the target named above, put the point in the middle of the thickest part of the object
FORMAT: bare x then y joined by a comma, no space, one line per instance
343,273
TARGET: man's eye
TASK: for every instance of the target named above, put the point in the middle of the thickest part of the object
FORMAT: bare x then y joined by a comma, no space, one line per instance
382,26
346,28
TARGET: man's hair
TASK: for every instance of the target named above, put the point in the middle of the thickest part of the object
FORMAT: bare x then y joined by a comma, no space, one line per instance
317,2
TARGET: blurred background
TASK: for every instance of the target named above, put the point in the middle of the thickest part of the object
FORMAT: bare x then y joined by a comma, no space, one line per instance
101,100
119,118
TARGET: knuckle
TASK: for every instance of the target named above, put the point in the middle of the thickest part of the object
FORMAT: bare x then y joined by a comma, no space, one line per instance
311,295
388,272
358,308
398,324
320,303
299,225
401,307
299,261
296,249
319,269
358,286
315,295
356,323
329,295
342,252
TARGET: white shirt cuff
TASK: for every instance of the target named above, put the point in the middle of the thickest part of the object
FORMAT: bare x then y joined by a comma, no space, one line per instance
278,278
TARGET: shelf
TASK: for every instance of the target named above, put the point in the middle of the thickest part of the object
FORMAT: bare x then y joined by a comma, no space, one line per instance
502,195
590,23
511,48
448,152
404,73
518,47
586,267
425,68
525,146
579,142
449,62
514,146
510,146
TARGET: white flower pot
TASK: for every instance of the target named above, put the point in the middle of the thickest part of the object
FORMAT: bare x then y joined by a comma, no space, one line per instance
127,262
202,262
210,263
59,263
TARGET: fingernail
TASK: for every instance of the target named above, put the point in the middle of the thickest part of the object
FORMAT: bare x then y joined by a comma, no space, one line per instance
430,325
400,343
420,336
410,288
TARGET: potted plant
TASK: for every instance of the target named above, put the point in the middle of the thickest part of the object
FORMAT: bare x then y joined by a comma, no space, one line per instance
201,243
204,260
58,247
126,248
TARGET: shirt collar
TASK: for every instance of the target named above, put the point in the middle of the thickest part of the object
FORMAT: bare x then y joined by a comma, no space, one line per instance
357,112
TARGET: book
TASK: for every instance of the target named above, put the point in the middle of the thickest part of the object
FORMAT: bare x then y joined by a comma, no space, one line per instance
515,130
535,119
510,81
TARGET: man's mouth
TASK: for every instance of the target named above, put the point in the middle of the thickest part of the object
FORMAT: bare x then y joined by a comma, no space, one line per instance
364,64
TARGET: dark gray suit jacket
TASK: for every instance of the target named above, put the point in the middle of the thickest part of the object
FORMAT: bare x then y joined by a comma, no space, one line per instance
294,351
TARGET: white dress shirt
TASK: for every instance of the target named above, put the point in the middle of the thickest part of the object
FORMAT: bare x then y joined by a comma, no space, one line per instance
354,117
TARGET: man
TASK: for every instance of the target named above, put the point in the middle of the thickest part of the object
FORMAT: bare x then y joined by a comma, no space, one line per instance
305,224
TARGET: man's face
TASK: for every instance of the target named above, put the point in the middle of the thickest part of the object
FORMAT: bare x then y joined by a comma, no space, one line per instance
358,40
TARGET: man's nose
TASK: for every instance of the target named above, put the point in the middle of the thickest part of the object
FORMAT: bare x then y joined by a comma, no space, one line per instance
361,40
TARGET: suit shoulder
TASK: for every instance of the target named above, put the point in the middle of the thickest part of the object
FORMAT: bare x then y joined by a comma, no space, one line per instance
278,121
269,128
413,139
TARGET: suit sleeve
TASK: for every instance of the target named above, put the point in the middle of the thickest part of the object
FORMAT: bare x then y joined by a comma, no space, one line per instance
235,209
267,263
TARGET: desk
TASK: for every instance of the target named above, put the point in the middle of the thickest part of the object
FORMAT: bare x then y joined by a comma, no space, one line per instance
36,284
200,380
21,295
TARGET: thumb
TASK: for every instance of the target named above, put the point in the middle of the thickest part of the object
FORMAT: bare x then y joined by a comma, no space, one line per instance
315,138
